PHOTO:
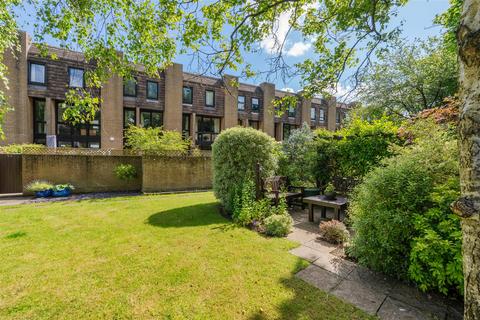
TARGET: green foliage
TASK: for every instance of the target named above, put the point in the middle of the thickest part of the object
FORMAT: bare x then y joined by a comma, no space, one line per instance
80,106
329,188
39,185
296,159
354,150
450,20
235,153
278,225
19,148
409,78
125,172
155,141
61,187
334,231
402,205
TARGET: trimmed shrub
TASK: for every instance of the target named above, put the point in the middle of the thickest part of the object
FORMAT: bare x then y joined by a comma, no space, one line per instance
334,231
39,185
155,141
235,153
401,215
278,225
125,172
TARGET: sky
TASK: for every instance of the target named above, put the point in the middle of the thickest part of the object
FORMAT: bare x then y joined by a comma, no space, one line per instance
417,17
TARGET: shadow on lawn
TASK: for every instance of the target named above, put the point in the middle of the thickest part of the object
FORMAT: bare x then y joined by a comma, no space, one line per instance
196,215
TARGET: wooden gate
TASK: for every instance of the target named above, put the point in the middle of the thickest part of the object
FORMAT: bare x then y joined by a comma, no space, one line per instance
10,173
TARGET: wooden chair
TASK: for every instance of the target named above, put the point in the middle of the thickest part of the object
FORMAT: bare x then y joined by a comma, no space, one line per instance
274,187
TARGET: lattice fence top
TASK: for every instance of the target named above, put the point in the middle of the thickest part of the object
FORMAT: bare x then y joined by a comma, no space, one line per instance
107,152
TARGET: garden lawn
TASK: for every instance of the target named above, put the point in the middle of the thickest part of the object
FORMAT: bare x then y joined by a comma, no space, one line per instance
165,256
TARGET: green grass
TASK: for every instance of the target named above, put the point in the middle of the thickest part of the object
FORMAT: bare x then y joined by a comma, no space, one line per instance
159,257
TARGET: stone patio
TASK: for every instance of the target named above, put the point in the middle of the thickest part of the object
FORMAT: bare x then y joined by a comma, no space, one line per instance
370,291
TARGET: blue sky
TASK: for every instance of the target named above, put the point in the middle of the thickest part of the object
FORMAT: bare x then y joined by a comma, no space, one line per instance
417,17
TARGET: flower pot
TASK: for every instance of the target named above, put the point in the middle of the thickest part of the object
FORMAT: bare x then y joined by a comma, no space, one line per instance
62,193
330,195
43,193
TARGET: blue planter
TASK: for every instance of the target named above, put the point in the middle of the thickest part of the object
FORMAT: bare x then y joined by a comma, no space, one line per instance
43,194
62,193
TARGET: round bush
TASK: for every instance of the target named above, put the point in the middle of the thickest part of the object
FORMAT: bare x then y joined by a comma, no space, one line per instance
278,225
334,231
235,153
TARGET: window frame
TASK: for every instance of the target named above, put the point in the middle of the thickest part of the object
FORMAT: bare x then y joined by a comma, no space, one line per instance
136,88
186,131
124,118
314,110
292,111
208,91
36,135
257,109
44,83
238,102
338,116
191,95
322,117
151,112
158,88
70,77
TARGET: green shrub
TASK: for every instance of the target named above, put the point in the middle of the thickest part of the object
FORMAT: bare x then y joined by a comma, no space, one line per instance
334,231
19,148
155,141
38,185
400,217
61,187
235,153
278,225
296,158
125,172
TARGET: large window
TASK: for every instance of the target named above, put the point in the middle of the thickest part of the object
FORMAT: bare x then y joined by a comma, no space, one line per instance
291,111
76,77
254,124
287,130
208,129
39,123
322,115
187,95
151,119
129,117
338,117
78,136
255,104
313,113
36,73
209,98
152,90
186,125
130,88
241,103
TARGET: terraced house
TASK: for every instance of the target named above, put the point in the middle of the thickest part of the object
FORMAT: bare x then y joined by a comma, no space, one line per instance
198,106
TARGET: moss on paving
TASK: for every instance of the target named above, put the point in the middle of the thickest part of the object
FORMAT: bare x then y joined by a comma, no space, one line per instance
158,257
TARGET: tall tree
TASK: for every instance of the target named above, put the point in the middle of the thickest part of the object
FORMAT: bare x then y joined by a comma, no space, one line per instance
409,78
218,33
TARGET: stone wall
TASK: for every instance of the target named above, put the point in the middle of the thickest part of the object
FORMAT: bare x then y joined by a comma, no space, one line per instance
176,173
95,173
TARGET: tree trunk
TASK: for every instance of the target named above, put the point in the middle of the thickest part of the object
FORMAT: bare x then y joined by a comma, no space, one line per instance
469,128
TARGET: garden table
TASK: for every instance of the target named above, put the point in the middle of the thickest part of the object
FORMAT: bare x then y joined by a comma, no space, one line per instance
337,205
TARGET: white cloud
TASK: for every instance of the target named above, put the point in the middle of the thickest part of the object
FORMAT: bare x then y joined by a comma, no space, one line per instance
272,44
298,49
343,93
287,89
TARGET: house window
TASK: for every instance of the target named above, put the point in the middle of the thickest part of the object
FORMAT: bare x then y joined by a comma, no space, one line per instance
86,135
313,113
187,96
186,125
76,77
36,73
208,129
287,130
255,104
129,117
152,90
130,88
151,119
209,98
241,103
291,111
254,124
240,122
39,123
322,115
338,114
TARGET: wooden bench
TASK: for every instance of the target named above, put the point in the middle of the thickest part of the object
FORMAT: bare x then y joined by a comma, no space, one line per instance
276,186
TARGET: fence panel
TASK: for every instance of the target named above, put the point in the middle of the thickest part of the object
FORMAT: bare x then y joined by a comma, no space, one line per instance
10,173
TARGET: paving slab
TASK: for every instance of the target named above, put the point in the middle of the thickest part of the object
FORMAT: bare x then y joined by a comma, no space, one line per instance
392,309
319,278
320,245
364,297
300,235
334,264
307,253
372,279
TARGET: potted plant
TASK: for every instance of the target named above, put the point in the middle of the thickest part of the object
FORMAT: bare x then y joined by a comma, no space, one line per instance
329,192
41,189
63,190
